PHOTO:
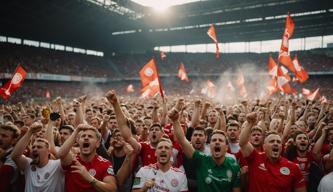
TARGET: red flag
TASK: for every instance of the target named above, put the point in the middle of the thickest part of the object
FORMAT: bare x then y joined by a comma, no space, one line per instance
284,56
209,90
130,88
182,73
272,86
313,95
16,82
301,74
150,79
323,100
306,92
48,94
272,67
162,55
212,34
289,27
285,72
283,83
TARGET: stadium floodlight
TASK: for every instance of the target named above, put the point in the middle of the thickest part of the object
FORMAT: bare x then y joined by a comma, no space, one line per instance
161,6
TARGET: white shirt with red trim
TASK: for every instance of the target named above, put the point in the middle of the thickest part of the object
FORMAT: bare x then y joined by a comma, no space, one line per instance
172,180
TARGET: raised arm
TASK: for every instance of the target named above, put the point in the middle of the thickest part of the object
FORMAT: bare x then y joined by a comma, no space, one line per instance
178,131
78,109
290,122
17,154
196,114
204,110
245,145
64,153
122,121
50,137
316,151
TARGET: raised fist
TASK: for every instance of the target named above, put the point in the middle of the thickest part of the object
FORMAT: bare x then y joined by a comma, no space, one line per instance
111,97
251,117
173,114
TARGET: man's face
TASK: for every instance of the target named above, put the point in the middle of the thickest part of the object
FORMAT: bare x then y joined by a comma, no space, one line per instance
233,133
301,126
88,142
241,117
94,122
311,121
149,110
7,139
64,135
39,151
212,117
112,124
198,140
163,152
71,119
117,141
302,142
139,127
273,146
155,134
218,146
184,117
89,115
256,138
27,120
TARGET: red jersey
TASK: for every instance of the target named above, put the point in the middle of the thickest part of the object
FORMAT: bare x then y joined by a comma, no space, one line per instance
147,154
265,176
99,168
304,164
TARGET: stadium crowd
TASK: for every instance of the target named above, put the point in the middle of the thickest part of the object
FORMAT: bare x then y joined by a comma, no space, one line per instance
113,143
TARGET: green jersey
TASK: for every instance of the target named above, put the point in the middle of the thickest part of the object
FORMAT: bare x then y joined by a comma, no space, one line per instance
214,178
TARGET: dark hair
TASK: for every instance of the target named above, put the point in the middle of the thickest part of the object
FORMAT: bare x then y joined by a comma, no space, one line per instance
68,127
221,133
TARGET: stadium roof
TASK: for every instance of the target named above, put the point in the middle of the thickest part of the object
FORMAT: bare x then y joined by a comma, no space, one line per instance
123,25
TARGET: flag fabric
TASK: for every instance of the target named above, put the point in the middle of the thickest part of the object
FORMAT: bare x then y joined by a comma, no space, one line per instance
16,82
209,90
283,83
272,66
162,55
182,73
300,73
313,95
306,92
48,94
323,100
230,86
285,72
150,79
284,55
272,86
130,88
212,34
289,27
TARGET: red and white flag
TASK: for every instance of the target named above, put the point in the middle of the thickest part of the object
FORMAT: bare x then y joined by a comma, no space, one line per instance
150,80
272,86
323,100
209,90
284,55
48,94
130,88
162,55
16,82
272,66
182,73
300,73
283,83
313,95
212,34
306,92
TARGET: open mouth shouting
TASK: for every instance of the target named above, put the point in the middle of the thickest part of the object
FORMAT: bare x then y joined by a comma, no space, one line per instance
275,151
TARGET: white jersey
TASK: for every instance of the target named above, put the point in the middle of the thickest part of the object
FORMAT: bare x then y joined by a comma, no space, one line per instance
325,184
171,181
48,178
